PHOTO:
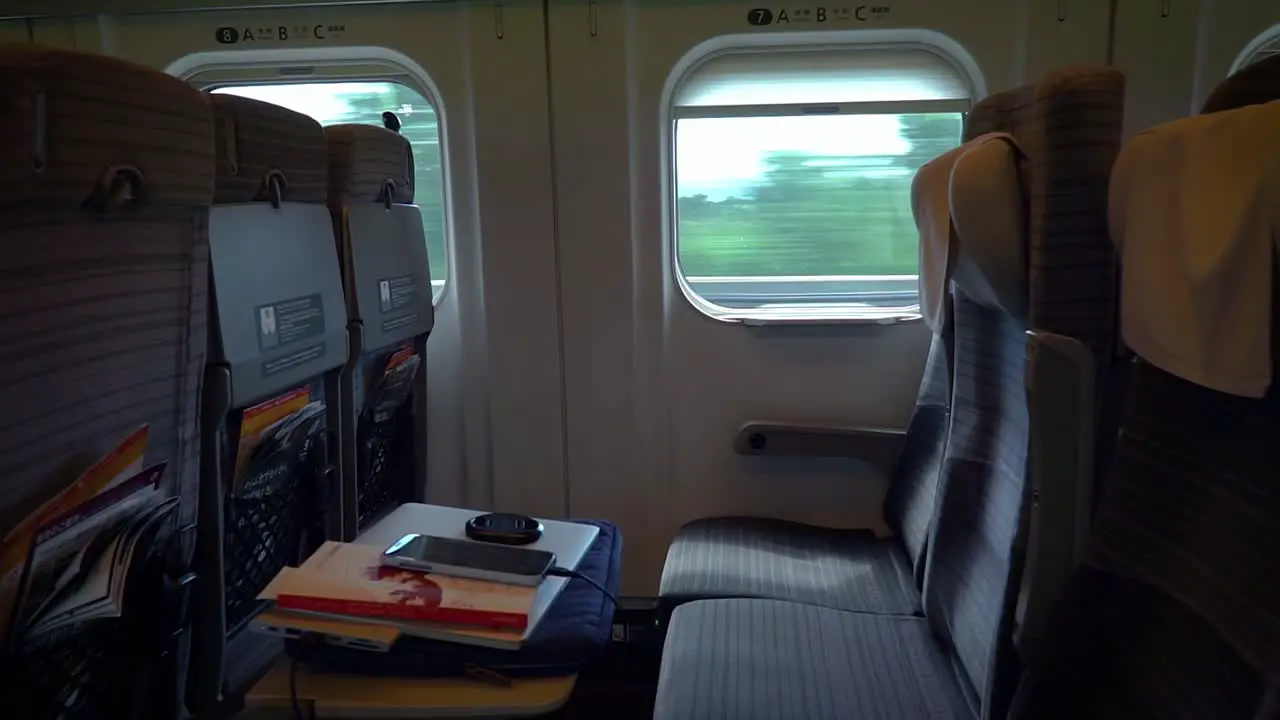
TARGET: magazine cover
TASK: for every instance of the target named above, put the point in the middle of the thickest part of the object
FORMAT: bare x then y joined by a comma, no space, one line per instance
92,585
69,520
394,384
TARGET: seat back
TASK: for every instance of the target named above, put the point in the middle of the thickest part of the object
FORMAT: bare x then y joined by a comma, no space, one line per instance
277,346
387,279
1028,207
1071,126
104,202
909,502
1175,612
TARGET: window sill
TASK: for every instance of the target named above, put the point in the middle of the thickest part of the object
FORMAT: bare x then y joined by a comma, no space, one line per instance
820,316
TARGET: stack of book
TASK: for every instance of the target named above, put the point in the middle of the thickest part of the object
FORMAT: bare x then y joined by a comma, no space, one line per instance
344,593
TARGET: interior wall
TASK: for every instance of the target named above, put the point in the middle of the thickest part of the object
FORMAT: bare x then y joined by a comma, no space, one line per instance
655,390
1174,52
1155,46
568,374
1226,28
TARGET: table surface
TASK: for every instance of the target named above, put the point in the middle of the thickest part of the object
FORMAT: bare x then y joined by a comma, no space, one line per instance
349,696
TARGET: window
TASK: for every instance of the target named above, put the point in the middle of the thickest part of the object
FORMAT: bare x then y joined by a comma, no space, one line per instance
1268,48
793,175
331,103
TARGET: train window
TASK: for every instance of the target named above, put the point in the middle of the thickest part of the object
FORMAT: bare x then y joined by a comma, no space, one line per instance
793,175
364,102
1268,45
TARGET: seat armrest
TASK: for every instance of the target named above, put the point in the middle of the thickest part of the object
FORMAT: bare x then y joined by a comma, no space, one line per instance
1061,386
877,446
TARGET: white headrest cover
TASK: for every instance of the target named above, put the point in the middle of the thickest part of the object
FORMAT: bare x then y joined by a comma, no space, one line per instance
931,206
1195,213
989,210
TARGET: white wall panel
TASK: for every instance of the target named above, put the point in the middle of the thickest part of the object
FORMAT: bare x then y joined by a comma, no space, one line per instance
1226,28
1155,46
1174,52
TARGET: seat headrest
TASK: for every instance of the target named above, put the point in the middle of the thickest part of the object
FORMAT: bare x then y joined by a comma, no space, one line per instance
989,211
1254,85
1194,215
64,135
931,207
368,163
264,150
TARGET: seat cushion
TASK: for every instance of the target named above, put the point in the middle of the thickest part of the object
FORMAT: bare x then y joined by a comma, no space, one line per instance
731,557
749,658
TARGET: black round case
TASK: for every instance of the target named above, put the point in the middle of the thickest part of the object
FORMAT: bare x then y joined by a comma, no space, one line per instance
504,528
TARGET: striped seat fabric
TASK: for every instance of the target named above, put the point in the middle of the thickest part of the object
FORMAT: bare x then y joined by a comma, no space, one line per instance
755,658
271,241
104,200
847,569
843,569
1069,126
381,242
1175,612
105,191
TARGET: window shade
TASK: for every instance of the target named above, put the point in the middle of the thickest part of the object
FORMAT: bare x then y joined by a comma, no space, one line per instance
801,77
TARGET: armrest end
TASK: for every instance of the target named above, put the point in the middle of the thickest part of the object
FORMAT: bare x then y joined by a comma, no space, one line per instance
877,446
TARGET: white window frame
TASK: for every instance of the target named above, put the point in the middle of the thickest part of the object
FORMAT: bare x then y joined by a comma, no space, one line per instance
290,66
944,48
1266,44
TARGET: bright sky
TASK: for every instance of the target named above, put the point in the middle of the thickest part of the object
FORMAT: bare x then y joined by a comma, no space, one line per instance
717,157
721,156
321,101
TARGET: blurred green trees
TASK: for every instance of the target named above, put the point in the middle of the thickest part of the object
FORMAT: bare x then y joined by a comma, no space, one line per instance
809,214
817,214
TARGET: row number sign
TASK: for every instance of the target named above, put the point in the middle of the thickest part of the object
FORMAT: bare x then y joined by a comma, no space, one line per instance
761,17
228,35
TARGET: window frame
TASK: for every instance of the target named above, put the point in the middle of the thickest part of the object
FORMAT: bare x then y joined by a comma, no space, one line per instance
1265,44
214,74
794,314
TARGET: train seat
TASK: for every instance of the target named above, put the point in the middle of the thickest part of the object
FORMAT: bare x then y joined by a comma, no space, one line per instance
1175,609
105,192
78,198
851,570
278,345
846,569
752,657
735,657
387,279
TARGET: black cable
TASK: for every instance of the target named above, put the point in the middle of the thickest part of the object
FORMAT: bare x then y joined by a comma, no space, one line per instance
304,643
293,688
567,573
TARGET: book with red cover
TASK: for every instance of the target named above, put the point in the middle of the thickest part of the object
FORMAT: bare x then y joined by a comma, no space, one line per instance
349,580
